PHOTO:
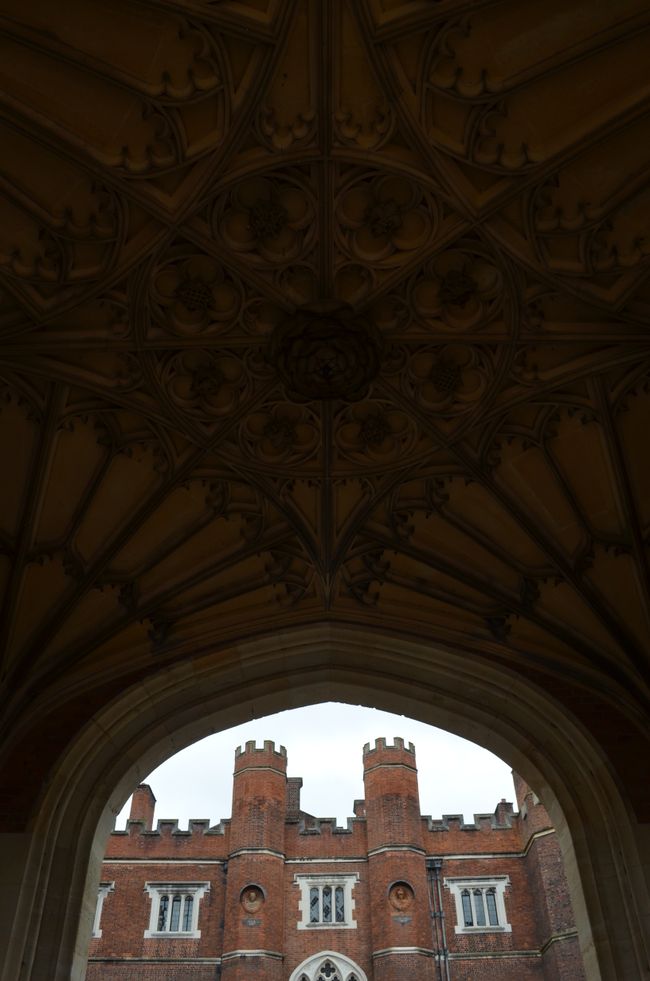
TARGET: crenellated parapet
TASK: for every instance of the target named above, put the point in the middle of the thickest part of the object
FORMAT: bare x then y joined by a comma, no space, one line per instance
266,755
384,752
502,818
328,825
166,827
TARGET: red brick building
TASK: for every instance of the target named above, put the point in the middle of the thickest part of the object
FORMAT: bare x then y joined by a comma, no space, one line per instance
277,894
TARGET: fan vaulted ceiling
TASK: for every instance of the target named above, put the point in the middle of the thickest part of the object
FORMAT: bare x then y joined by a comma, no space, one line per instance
440,207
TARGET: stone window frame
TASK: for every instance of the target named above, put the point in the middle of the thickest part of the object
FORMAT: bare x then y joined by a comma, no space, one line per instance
102,893
311,967
499,883
157,890
308,881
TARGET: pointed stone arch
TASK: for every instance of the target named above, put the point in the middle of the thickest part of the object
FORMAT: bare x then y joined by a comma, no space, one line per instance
53,870
330,966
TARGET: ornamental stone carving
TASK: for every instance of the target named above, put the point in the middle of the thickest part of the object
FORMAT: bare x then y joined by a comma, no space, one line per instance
449,378
194,295
460,288
281,433
374,431
401,896
383,219
204,383
326,352
269,220
252,899
198,432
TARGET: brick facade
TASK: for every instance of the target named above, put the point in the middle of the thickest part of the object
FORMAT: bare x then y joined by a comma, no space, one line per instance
274,888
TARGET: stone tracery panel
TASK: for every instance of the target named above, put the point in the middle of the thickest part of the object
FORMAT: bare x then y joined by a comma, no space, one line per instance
425,461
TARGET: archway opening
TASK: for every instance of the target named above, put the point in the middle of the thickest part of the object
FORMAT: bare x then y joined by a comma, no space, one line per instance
335,826
324,744
151,721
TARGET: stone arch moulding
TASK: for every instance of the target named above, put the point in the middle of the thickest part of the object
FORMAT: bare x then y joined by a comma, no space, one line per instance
343,964
53,871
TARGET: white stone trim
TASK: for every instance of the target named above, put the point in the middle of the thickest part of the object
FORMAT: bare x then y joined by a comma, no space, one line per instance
386,951
102,893
164,861
415,849
256,851
158,889
326,861
274,955
333,879
155,961
456,885
344,965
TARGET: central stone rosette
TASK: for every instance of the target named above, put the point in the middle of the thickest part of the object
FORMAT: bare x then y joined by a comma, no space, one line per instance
326,351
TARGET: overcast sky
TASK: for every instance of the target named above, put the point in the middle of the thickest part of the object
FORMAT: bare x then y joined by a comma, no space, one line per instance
324,746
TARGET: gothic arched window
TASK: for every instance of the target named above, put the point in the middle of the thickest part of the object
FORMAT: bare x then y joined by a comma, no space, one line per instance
328,972
328,966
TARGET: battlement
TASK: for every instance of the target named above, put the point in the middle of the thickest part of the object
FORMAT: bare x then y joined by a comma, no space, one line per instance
268,747
397,746
500,820
169,826
328,825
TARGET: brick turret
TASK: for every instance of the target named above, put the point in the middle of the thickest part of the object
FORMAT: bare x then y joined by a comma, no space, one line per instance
253,929
401,928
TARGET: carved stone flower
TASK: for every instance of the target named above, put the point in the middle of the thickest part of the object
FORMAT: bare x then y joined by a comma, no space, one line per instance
448,377
266,217
459,288
384,217
204,383
281,432
326,352
370,430
195,293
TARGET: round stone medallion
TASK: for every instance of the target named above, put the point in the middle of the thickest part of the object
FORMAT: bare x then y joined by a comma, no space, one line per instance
252,898
400,896
325,351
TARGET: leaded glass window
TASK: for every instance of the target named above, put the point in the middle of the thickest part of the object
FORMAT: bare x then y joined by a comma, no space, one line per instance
479,907
174,907
327,901
327,904
162,913
176,914
187,914
314,905
339,894
467,909
480,903
328,966
491,900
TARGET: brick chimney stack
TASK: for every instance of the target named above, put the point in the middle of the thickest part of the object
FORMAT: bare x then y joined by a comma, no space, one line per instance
143,804
294,786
